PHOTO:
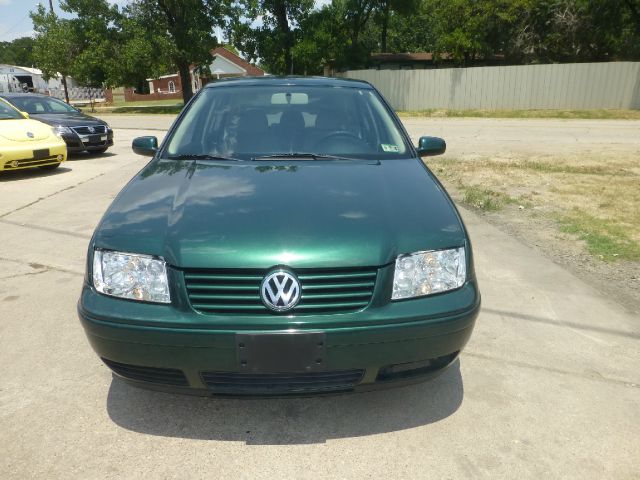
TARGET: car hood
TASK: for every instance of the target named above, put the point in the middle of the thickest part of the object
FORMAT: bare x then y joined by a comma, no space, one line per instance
67,119
302,214
24,130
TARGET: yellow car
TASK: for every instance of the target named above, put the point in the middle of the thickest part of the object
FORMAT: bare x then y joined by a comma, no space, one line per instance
26,143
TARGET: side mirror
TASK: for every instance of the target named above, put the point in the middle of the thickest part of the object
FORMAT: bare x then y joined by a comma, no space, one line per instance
430,146
147,146
25,114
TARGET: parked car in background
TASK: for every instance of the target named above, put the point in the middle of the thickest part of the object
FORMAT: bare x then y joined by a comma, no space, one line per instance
286,238
81,132
26,143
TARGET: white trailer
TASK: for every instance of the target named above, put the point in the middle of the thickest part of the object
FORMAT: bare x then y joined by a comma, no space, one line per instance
9,83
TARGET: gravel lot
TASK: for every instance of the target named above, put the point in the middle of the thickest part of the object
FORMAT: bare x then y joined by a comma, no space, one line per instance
548,387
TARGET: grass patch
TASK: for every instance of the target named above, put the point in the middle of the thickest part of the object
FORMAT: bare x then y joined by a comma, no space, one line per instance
484,199
595,198
604,239
148,103
548,167
152,109
160,107
563,114
556,167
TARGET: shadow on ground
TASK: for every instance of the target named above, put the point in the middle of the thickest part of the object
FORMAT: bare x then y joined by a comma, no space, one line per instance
14,175
285,421
75,156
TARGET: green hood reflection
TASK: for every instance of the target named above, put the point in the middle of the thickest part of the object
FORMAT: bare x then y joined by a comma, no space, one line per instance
298,213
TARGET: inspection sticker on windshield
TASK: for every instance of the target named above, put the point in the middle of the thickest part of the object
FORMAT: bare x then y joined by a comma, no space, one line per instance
386,147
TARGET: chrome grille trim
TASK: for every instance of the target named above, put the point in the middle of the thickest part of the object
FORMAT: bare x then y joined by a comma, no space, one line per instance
231,291
84,130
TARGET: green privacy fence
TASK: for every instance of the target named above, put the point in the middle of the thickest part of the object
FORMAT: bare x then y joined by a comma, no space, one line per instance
613,85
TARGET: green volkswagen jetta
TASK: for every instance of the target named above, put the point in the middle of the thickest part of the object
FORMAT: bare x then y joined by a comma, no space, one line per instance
285,238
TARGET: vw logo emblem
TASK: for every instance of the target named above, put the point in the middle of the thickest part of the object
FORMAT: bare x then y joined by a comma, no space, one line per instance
92,130
30,134
280,291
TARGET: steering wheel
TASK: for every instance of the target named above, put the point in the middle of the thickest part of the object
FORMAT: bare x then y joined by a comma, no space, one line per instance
340,135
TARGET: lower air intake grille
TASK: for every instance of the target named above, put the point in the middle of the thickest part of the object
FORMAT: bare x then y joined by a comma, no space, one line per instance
30,163
238,291
281,383
164,376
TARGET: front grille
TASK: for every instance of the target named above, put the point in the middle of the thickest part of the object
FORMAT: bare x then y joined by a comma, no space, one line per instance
281,383
238,291
163,376
12,165
97,129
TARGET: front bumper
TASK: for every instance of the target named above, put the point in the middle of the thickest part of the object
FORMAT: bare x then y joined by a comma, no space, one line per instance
161,347
22,156
75,143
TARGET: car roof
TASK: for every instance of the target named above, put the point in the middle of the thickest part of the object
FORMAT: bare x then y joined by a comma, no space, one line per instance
15,94
289,81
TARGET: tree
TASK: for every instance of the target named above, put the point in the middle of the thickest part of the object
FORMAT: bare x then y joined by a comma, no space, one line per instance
189,33
56,48
577,30
17,52
357,14
102,44
96,37
402,8
273,41
412,33
467,30
144,50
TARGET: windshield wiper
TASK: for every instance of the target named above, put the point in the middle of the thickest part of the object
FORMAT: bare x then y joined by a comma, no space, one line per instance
201,156
301,155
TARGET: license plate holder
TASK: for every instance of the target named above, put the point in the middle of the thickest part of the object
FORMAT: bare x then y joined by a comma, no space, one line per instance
41,154
281,352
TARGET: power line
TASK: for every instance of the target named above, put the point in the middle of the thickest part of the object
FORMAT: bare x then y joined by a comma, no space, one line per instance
15,25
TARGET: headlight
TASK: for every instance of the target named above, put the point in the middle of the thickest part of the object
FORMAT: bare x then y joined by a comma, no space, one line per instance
426,273
125,275
60,129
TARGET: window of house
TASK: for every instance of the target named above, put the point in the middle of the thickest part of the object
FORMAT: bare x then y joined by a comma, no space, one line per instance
172,87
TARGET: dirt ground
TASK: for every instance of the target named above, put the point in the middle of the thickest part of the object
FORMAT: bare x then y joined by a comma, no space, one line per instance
619,279
569,188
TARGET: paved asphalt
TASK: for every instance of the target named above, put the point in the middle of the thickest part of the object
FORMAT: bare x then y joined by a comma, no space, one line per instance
548,387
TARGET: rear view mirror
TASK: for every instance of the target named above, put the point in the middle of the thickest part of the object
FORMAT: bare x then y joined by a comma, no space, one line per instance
146,146
430,146
296,98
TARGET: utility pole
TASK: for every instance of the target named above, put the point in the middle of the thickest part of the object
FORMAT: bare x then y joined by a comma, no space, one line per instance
64,79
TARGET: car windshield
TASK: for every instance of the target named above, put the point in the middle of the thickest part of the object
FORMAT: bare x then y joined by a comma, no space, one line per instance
254,122
6,112
35,104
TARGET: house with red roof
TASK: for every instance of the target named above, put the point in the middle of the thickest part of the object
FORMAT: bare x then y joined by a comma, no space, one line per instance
224,64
